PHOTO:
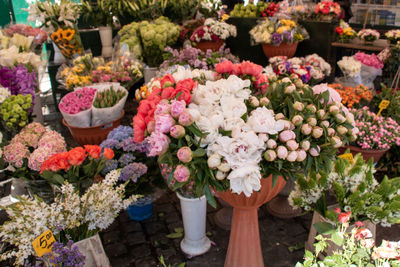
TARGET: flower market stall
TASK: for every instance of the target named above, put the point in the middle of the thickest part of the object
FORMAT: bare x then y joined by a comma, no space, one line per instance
171,123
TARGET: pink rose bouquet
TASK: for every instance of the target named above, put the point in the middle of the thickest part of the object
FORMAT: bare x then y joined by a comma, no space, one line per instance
370,60
375,132
368,35
327,9
77,101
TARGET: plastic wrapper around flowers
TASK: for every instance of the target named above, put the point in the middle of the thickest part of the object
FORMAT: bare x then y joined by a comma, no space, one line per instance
368,75
68,41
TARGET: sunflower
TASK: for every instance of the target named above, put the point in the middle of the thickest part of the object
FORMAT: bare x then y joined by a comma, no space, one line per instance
55,37
68,34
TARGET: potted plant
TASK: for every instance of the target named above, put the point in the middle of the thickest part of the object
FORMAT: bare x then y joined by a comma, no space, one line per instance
368,36
344,33
147,41
139,171
356,191
393,36
232,141
101,14
357,248
212,34
327,10
26,153
59,21
278,38
72,216
376,134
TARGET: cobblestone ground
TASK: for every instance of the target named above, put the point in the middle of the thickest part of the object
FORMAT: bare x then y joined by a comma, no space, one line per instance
140,244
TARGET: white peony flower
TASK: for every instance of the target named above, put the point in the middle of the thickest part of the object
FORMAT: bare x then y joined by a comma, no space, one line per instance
262,120
245,179
233,107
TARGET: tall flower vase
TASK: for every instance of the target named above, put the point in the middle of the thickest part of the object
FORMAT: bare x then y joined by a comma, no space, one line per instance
58,56
94,253
106,41
244,243
194,211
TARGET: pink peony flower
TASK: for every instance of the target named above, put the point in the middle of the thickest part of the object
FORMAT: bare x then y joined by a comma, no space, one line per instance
224,67
181,173
282,152
334,96
271,144
159,143
185,118
301,155
287,135
292,156
249,68
163,107
292,145
270,155
177,131
177,107
315,151
184,154
164,122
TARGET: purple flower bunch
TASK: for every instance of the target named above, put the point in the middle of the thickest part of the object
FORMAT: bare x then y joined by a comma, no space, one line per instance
19,80
133,171
66,256
196,58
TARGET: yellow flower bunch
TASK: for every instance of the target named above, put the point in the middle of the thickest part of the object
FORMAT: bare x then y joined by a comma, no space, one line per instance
287,22
78,68
76,80
142,93
349,31
106,68
64,39
282,29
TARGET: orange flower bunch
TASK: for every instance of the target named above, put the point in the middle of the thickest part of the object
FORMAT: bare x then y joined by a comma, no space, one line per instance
68,41
75,157
352,96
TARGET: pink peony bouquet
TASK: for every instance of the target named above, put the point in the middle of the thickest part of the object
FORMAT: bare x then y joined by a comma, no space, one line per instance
368,35
77,101
375,132
369,60
30,148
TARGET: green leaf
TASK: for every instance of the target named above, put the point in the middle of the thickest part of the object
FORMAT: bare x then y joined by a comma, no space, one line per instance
209,197
178,229
324,228
174,235
200,152
337,238
182,264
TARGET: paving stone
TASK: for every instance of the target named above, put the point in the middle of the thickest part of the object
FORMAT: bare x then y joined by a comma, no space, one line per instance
172,226
172,217
154,227
148,262
166,253
135,238
115,250
131,226
111,237
121,262
165,208
140,251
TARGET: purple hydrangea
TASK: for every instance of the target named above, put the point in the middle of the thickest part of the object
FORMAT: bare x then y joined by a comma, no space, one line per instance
109,166
110,143
120,133
68,256
133,171
126,158
276,39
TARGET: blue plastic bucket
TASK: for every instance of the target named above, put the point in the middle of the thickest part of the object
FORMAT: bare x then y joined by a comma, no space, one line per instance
141,210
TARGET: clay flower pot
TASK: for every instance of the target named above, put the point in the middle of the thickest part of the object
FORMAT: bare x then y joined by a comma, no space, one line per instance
205,45
366,153
283,49
244,243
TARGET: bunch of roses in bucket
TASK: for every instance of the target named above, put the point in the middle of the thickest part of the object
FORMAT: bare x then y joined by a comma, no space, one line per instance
213,30
375,132
368,35
327,10
79,166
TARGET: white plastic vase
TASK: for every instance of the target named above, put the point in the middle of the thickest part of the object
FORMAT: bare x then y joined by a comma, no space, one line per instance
194,212
58,56
106,41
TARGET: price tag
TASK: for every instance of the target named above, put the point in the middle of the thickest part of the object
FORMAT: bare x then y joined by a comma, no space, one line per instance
347,156
43,243
384,104
225,17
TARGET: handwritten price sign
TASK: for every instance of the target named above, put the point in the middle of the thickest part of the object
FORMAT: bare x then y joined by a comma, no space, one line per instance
225,17
43,243
347,156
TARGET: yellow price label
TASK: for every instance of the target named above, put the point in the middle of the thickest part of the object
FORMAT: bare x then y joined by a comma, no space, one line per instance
384,104
43,243
347,156
225,17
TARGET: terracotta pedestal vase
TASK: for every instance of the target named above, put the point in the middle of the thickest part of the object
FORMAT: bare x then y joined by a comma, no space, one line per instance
366,153
205,45
283,49
244,248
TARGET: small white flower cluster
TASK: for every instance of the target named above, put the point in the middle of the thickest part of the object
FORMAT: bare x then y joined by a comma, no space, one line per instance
11,56
4,93
320,68
221,29
308,197
350,66
220,105
97,209
262,33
